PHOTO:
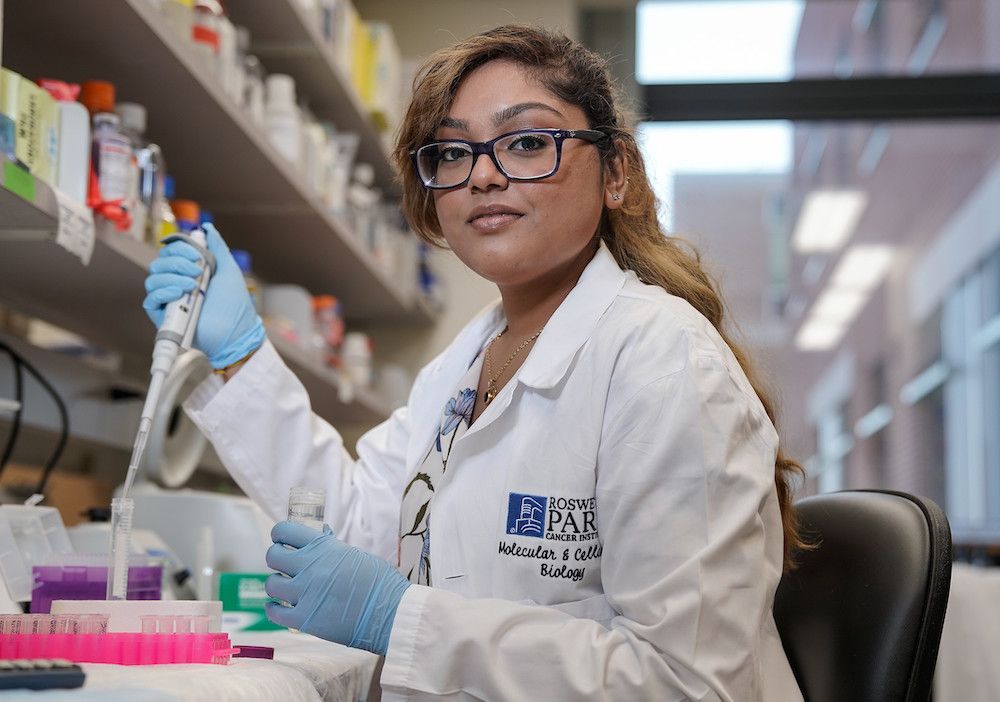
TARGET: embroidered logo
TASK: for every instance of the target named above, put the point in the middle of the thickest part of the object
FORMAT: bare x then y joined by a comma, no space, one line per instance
526,515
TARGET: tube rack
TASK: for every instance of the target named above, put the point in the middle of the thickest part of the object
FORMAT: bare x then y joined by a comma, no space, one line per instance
83,639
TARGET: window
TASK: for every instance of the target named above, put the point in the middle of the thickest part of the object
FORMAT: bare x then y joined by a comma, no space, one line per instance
970,343
833,444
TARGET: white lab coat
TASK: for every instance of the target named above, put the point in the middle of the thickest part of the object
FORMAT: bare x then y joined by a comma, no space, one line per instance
624,479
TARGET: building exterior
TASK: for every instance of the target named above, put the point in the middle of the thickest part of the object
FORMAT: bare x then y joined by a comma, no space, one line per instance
884,348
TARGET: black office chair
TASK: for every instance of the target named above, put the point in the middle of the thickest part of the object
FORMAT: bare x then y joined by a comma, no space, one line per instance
861,616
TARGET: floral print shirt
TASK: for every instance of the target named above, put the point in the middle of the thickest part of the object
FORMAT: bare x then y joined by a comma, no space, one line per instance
414,520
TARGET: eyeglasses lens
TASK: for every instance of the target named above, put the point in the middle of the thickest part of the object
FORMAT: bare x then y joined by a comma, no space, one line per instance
524,155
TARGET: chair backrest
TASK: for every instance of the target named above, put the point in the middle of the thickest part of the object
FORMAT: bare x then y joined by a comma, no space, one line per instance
861,616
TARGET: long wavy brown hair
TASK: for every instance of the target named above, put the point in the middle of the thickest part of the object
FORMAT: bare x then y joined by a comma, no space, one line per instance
632,232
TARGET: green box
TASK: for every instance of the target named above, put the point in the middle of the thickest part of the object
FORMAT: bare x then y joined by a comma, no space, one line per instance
18,181
243,599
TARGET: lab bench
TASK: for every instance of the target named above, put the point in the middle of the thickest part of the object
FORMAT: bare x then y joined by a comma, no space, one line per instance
304,669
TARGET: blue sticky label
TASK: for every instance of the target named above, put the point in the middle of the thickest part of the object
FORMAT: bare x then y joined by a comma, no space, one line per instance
526,515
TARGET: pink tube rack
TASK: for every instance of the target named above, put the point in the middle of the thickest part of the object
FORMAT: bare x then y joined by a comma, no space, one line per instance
124,649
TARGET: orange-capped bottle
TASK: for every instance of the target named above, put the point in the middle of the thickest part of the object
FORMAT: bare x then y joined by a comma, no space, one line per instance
97,96
187,213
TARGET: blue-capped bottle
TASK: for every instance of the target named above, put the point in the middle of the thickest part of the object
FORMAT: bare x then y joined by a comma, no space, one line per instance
245,262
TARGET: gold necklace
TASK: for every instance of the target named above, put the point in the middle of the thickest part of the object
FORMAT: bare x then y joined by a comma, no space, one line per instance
492,379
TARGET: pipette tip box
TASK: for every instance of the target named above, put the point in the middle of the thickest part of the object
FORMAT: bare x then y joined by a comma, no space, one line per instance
79,579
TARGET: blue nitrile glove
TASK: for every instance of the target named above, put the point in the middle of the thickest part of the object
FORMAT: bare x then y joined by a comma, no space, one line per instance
229,327
337,592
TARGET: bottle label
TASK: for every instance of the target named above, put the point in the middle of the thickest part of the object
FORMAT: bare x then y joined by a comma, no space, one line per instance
115,174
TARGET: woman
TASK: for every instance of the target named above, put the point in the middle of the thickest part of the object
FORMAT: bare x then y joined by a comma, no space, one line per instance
602,451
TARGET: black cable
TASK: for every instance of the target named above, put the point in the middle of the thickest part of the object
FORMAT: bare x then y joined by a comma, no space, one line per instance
15,425
63,416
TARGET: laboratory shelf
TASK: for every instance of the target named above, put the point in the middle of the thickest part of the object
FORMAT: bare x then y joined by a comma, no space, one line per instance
218,155
101,302
28,207
287,40
360,406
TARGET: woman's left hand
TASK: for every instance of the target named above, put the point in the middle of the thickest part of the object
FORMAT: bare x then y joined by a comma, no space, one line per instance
335,591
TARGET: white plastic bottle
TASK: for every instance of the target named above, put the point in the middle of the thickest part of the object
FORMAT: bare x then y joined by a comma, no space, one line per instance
313,153
283,122
356,359
112,156
205,33
74,150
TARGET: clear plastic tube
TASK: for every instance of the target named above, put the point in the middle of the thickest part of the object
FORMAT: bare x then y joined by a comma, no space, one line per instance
48,624
65,624
182,624
166,623
121,533
147,623
93,624
35,623
306,506
199,623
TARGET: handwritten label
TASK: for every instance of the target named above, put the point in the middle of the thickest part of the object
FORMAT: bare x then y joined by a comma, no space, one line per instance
76,227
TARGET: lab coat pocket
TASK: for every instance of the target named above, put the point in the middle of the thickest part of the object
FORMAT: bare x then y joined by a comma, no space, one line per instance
596,608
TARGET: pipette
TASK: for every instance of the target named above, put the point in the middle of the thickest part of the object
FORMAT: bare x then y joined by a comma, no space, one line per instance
175,334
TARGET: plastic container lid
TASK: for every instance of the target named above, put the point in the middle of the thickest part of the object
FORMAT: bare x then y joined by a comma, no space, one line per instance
60,90
133,116
186,210
98,96
243,259
323,301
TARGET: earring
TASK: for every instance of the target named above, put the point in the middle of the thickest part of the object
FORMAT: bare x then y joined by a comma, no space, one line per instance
616,196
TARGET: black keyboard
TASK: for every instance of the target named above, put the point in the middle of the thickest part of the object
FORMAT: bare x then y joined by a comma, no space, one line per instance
40,674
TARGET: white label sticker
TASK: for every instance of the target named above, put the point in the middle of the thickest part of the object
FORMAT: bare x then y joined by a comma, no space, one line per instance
76,227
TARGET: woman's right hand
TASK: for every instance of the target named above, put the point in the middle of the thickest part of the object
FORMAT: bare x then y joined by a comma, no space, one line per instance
229,328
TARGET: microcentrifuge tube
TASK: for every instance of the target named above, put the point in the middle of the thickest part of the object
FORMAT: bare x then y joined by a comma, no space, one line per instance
147,623
182,624
199,623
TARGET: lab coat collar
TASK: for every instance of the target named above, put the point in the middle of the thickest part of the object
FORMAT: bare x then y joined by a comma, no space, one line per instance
573,323
567,330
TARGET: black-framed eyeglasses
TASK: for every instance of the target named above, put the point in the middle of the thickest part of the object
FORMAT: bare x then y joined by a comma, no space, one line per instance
527,154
